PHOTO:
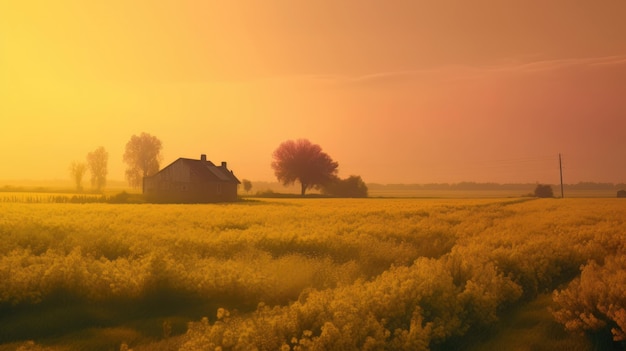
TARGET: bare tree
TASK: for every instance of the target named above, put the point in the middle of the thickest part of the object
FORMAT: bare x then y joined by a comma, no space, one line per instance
77,172
302,161
97,164
143,156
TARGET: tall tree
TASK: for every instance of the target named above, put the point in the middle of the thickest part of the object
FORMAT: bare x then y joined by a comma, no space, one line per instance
97,164
247,185
143,155
77,171
300,160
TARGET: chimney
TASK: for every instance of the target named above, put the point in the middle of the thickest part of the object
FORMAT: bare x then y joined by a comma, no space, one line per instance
203,157
223,164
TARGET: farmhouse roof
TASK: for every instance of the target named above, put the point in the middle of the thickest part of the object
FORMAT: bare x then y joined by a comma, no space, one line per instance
206,169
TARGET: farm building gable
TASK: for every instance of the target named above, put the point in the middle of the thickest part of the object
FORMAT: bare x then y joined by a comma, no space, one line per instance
192,181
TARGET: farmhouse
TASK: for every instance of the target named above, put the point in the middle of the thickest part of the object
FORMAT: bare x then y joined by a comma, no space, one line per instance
621,193
191,181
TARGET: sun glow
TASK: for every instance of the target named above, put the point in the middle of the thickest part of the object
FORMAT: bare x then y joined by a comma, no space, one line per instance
391,91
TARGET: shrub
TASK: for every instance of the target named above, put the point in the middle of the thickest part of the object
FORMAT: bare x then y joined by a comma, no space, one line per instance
597,300
353,186
544,191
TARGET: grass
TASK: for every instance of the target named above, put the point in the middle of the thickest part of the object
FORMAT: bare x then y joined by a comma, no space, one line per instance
529,327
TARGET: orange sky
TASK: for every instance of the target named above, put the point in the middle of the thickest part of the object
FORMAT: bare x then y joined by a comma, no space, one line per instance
395,91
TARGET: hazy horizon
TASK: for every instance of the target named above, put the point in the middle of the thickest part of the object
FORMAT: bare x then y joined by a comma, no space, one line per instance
404,92
275,185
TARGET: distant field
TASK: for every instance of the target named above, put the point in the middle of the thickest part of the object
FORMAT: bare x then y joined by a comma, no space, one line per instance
45,197
451,194
47,189
313,274
417,192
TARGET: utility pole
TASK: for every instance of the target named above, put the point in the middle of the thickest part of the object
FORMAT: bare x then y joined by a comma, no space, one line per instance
561,172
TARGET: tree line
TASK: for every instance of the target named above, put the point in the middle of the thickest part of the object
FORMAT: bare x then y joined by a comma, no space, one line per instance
293,161
142,157
97,165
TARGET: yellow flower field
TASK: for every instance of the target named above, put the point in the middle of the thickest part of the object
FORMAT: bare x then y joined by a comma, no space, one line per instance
308,274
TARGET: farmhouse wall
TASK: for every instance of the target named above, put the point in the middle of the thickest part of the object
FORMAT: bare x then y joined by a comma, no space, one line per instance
191,181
